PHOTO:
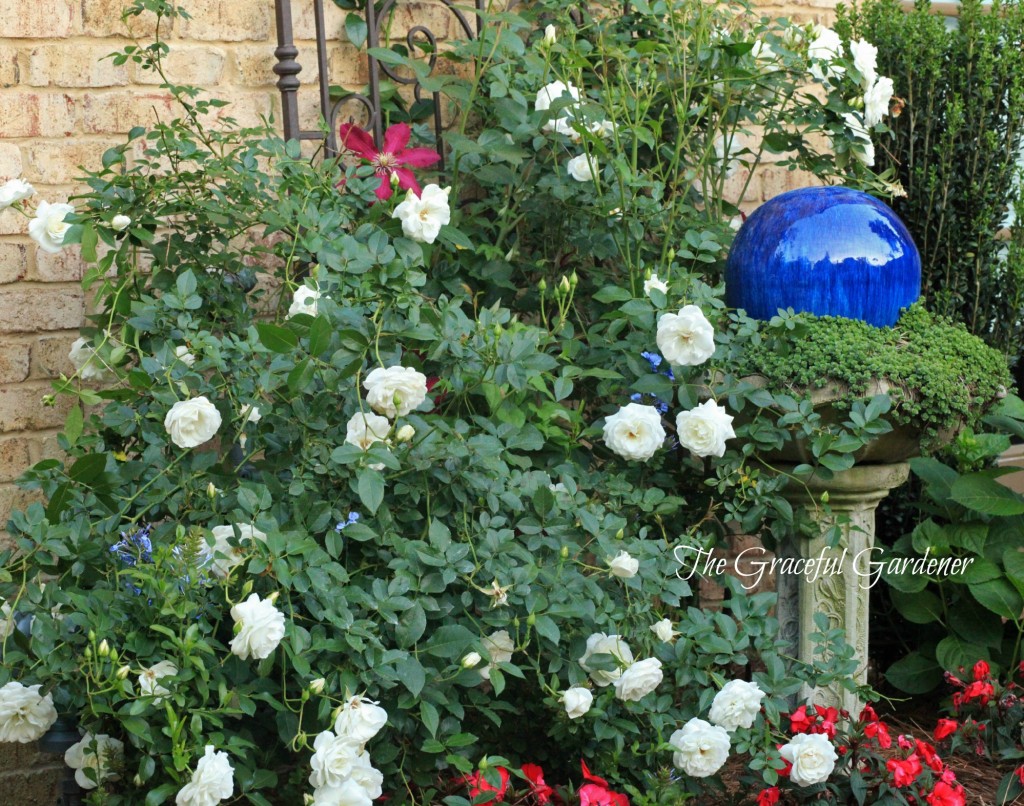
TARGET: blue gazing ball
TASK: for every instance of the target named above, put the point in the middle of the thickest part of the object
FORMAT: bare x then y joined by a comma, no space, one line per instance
829,251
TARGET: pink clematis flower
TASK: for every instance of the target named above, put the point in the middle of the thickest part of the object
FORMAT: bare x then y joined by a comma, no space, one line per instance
394,159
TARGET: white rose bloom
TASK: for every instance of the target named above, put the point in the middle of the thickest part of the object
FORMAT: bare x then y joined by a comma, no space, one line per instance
395,391
639,680
583,168
634,432
577,701
736,705
304,300
48,228
763,52
727,153
250,413
823,50
184,356
360,719
865,59
25,714
192,422
371,780
876,101
261,628
862,147
349,793
423,218
665,630
602,128
212,782
623,565
87,362
550,35
148,680
552,92
500,648
813,758
562,125
101,754
13,191
227,556
405,433
334,759
652,283
704,429
701,748
687,338
7,625
601,644
120,223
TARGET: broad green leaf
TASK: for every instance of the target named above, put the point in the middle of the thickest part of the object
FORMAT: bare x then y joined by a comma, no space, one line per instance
954,654
999,596
920,608
411,674
73,424
981,492
276,338
915,674
319,335
371,489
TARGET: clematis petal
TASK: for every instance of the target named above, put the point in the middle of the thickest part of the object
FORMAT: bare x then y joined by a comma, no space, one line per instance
407,181
357,141
419,157
384,190
396,138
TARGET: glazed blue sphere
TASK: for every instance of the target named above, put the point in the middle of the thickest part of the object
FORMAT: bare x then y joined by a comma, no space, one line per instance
829,251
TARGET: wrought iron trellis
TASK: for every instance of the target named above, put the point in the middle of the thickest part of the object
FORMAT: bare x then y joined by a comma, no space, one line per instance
417,38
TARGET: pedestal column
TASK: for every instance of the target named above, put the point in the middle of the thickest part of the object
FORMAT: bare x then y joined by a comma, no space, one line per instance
841,593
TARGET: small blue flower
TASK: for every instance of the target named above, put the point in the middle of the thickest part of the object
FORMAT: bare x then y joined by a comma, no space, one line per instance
657,402
134,547
353,517
653,359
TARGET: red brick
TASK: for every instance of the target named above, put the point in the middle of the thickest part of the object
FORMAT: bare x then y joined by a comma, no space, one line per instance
61,65
38,20
13,261
33,308
32,114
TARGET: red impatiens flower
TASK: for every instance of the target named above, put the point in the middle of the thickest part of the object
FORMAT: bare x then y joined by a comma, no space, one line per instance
946,795
829,717
904,771
879,731
945,729
768,797
868,714
1019,772
981,670
931,758
800,721
478,784
394,159
979,690
535,775
596,793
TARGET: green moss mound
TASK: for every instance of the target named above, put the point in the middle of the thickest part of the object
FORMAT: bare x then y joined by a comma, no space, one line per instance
942,377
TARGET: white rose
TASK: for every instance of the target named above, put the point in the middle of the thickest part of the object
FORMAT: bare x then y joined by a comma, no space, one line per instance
88,362
550,35
333,759
471,660
423,218
562,125
727,152
634,432
552,92
736,705
602,128
623,565
148,680
583,168
13,191
192,422
865,59
687,338
395,391
862,146
360,719
405,433
120,223
25,714
601,644
101,754
704,429
577,701
701,748
638,680
366,428
665,630
823,50
304,300
260,628
184,356
349,793
369,779
876,101
763,52
48,228
499,647
813,758
652,283
250,413
225,555
212,782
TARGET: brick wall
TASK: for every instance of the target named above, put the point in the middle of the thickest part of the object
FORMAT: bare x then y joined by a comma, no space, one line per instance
61,106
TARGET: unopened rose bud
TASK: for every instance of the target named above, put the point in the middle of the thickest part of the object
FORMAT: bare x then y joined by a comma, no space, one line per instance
113,656
120,223
824,497
483,765
573,280
405,433
246,588
137,780
123,672
395,179
91,636
563,285
88,653
550,35
104,648
542,285
273,597
620,534
564,553
531,619
317,686
49,400
471,660
211,491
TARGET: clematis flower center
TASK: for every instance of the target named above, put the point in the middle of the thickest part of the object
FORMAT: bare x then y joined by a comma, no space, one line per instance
385,161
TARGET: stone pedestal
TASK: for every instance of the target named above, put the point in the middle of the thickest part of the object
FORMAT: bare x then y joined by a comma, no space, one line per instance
837,590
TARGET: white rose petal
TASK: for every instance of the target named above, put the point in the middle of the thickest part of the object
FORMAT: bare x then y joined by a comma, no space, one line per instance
334,759
212,782
862,146
149,680
665,630
623,565
639,680
552,92
825,48
250,413
471,660
865,59
192,422
350,793
634,432
395,391
583,168
225,555
48,228
703,430
652,283
423,217
687,338
25,714
120,223
700,748
736,705
184,356
87,362
304,300
813,758
101,754
727,152
260,628
601,644
577,701
876,101
360,719
499,647
13,191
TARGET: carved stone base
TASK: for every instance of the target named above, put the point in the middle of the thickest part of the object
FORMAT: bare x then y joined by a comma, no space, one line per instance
837,589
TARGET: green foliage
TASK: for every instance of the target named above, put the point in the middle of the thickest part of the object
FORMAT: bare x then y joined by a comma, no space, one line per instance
956,149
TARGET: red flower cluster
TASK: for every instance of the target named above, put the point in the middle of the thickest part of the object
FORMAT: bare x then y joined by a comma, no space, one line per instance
822,720
980,690
594,792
